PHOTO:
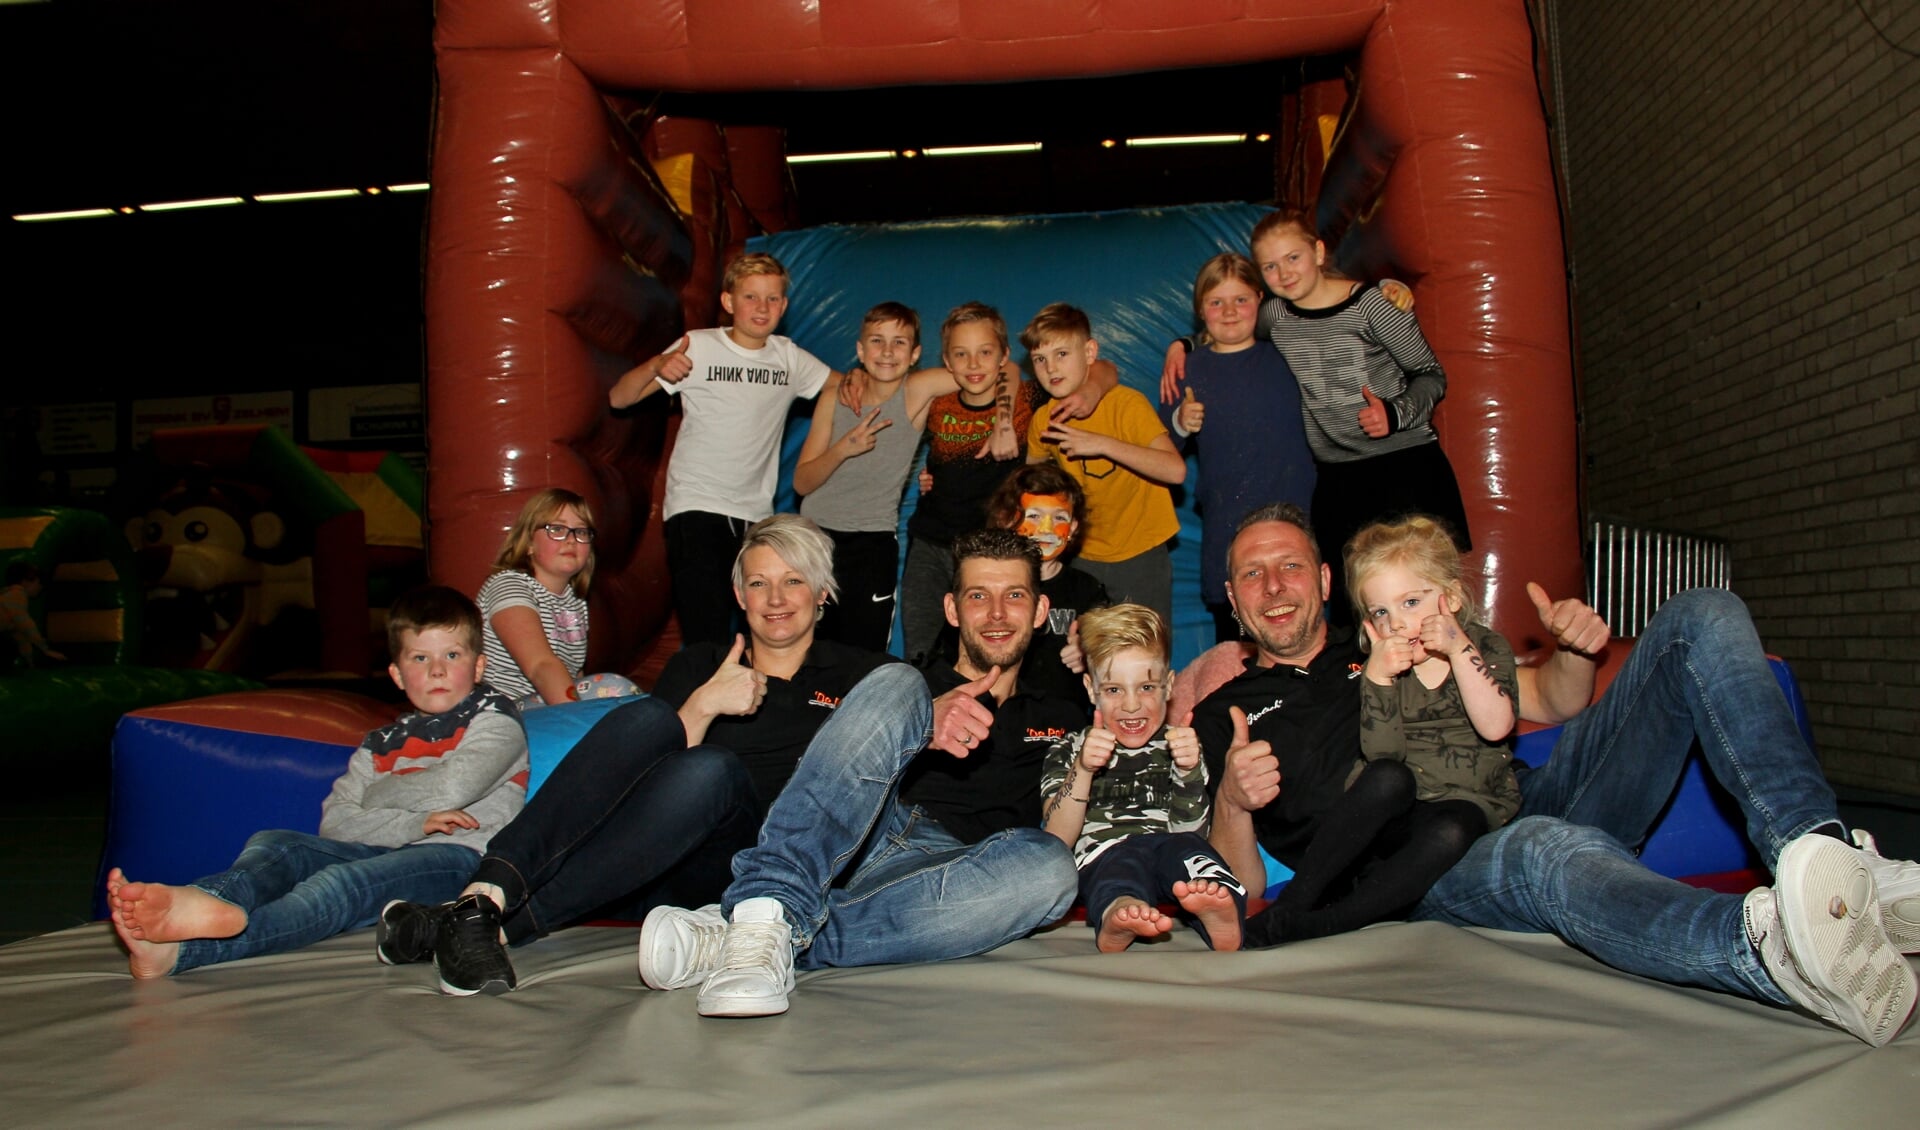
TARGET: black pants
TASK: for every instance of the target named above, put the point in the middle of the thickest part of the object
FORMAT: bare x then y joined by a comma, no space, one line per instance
630,819
867,565
1147,865
1347,496
700,552
1376,853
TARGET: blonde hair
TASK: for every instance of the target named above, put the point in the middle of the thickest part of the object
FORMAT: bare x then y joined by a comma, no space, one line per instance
517,551
797,541
1106,632
974,312
1421,545
748,264
1056,319
1221,268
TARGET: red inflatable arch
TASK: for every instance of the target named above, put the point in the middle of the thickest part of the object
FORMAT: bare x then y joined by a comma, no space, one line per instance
551,267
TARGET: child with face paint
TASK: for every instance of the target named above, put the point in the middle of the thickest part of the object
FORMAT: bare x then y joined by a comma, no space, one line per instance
1042,503
1129,795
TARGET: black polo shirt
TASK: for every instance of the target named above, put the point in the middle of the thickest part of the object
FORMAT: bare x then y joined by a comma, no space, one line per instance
771,739
997,786
1072,591
1311,716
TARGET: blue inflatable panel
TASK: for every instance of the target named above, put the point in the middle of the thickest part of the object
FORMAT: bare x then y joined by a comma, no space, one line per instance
186,797
553,730
1131,271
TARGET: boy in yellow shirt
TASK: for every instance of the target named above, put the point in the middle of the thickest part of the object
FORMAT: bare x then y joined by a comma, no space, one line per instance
1120,455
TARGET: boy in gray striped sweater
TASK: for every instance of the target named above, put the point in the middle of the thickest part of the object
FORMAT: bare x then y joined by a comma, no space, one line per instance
406,821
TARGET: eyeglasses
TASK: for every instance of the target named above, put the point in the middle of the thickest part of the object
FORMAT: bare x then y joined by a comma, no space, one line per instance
558,532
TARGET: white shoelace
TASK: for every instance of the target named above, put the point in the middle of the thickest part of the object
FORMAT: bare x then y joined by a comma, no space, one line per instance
753,945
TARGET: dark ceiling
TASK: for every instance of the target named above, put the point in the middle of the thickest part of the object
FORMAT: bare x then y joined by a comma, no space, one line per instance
111,102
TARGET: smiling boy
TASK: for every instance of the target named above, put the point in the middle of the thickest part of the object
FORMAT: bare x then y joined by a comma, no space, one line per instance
853,468
1129,794
1120,455
735,386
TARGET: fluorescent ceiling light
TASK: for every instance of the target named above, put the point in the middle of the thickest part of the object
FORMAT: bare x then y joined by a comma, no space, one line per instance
824,158
178,205
978,150
1189,139
318,194
75,214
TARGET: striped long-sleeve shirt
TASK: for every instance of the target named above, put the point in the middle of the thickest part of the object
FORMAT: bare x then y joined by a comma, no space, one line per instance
1364,341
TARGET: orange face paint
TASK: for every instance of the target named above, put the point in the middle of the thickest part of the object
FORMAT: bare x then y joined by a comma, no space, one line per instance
1047,521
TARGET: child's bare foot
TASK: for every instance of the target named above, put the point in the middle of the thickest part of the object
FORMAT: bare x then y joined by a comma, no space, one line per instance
145,960
1126,921
155,912
1212,904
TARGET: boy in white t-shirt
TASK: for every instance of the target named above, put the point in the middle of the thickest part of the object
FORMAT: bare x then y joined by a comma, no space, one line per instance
735,386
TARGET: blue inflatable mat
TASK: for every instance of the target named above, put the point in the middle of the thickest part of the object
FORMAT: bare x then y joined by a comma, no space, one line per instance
1131,271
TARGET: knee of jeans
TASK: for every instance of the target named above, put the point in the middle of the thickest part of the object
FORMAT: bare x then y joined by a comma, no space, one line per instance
648,715
707,771
1701,608
1541,842
901,683
273,838
1046,868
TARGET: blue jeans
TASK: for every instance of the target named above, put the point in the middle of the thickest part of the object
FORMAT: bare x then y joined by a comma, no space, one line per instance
630,819
914,892
1567,866
298,889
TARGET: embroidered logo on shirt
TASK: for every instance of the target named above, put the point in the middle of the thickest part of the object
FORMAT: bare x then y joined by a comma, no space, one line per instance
1265,710
1046,734
822,698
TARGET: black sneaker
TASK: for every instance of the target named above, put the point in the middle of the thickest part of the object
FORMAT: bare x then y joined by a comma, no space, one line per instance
469,954
407,931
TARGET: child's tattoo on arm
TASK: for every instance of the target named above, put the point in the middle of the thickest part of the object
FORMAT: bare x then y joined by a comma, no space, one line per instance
1065,789
1479,663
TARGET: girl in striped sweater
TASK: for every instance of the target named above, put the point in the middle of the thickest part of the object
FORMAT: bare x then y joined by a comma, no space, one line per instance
1368,385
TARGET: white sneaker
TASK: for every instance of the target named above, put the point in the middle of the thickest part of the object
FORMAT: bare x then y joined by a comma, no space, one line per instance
680,947
1838,962
756,964
1898,884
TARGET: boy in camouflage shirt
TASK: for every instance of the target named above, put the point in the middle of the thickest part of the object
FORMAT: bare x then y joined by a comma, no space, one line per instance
1129,794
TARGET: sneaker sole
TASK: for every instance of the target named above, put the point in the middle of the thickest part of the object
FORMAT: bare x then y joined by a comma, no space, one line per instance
382,935
743,1006
1902,920
491,988
1862,976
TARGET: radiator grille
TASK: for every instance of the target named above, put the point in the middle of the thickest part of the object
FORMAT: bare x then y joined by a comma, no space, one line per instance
1632,570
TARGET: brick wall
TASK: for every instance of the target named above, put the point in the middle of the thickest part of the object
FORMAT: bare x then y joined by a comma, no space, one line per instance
1744,180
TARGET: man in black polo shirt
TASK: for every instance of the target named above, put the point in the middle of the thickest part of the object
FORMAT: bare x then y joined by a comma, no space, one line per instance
1281,737
929,808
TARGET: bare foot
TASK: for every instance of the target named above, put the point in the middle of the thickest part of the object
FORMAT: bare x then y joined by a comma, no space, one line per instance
155,912
145,960
1212,904
1126,921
